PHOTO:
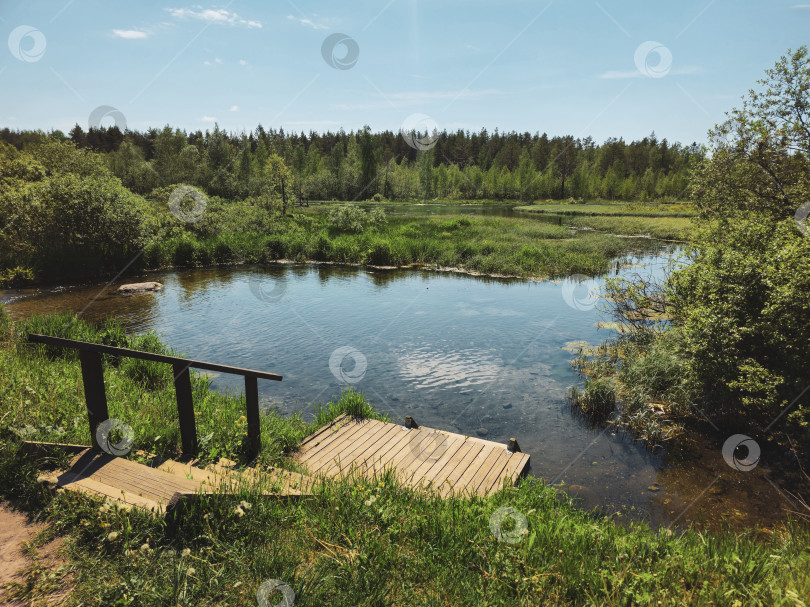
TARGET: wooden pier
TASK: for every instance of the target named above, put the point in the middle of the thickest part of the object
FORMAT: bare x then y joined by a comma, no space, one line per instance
452,464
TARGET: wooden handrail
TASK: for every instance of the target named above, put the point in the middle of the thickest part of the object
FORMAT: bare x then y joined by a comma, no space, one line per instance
96,397
160,358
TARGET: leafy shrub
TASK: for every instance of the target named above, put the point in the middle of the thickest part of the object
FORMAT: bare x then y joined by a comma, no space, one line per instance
353,219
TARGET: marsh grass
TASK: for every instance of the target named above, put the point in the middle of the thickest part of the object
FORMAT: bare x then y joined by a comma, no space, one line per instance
489,245
355,542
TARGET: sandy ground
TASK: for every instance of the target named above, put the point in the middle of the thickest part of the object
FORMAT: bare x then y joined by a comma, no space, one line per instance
14,531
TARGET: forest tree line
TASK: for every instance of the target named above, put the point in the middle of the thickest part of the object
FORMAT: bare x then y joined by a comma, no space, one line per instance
363,165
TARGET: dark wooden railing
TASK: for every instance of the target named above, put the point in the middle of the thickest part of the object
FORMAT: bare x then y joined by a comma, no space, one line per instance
96,397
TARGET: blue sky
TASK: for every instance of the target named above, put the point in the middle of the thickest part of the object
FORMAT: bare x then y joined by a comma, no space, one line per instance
563,67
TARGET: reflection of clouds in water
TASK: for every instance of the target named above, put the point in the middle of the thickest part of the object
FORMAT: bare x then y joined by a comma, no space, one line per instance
457,369
462,368
467,310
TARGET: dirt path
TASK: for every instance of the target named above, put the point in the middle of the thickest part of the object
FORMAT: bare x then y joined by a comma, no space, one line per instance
14,531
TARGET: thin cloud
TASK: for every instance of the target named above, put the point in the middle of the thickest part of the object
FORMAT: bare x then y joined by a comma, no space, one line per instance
131,34
626,74
234,108
212,15
208,119
800,6
308,22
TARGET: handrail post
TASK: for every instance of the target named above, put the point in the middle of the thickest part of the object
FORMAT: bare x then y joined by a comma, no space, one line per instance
94,394
185,409
254,441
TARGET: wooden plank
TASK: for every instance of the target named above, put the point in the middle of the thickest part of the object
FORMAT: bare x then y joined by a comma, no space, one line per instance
185,409
348,449
132,477
382,460
373,459
483,469
441,468
308,441
456,468
443,447
417,457
494,478
460,485
380,441
71,482
516,466
356,431
161,358
95,395
406,456
335,433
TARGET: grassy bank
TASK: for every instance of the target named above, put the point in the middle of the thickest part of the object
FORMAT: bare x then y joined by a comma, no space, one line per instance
664,221
489,245
360,543
632,209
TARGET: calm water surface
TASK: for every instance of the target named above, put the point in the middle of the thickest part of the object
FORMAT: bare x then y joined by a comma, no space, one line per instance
477,356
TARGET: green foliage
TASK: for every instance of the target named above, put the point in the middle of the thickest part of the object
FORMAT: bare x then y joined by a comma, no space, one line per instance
743,309
759,162
352,219
76,217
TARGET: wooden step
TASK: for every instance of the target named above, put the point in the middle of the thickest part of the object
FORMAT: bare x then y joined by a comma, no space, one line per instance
160,486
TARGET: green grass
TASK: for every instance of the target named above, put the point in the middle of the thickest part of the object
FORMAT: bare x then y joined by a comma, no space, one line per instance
634,209
354,543
662,221
489,245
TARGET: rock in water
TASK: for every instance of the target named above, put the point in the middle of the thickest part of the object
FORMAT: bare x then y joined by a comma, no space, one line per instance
140,287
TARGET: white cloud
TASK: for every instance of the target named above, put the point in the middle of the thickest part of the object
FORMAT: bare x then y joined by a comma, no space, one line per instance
212,15
208,119
626,74
308,22
218,61
131,34
234,108
242,62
